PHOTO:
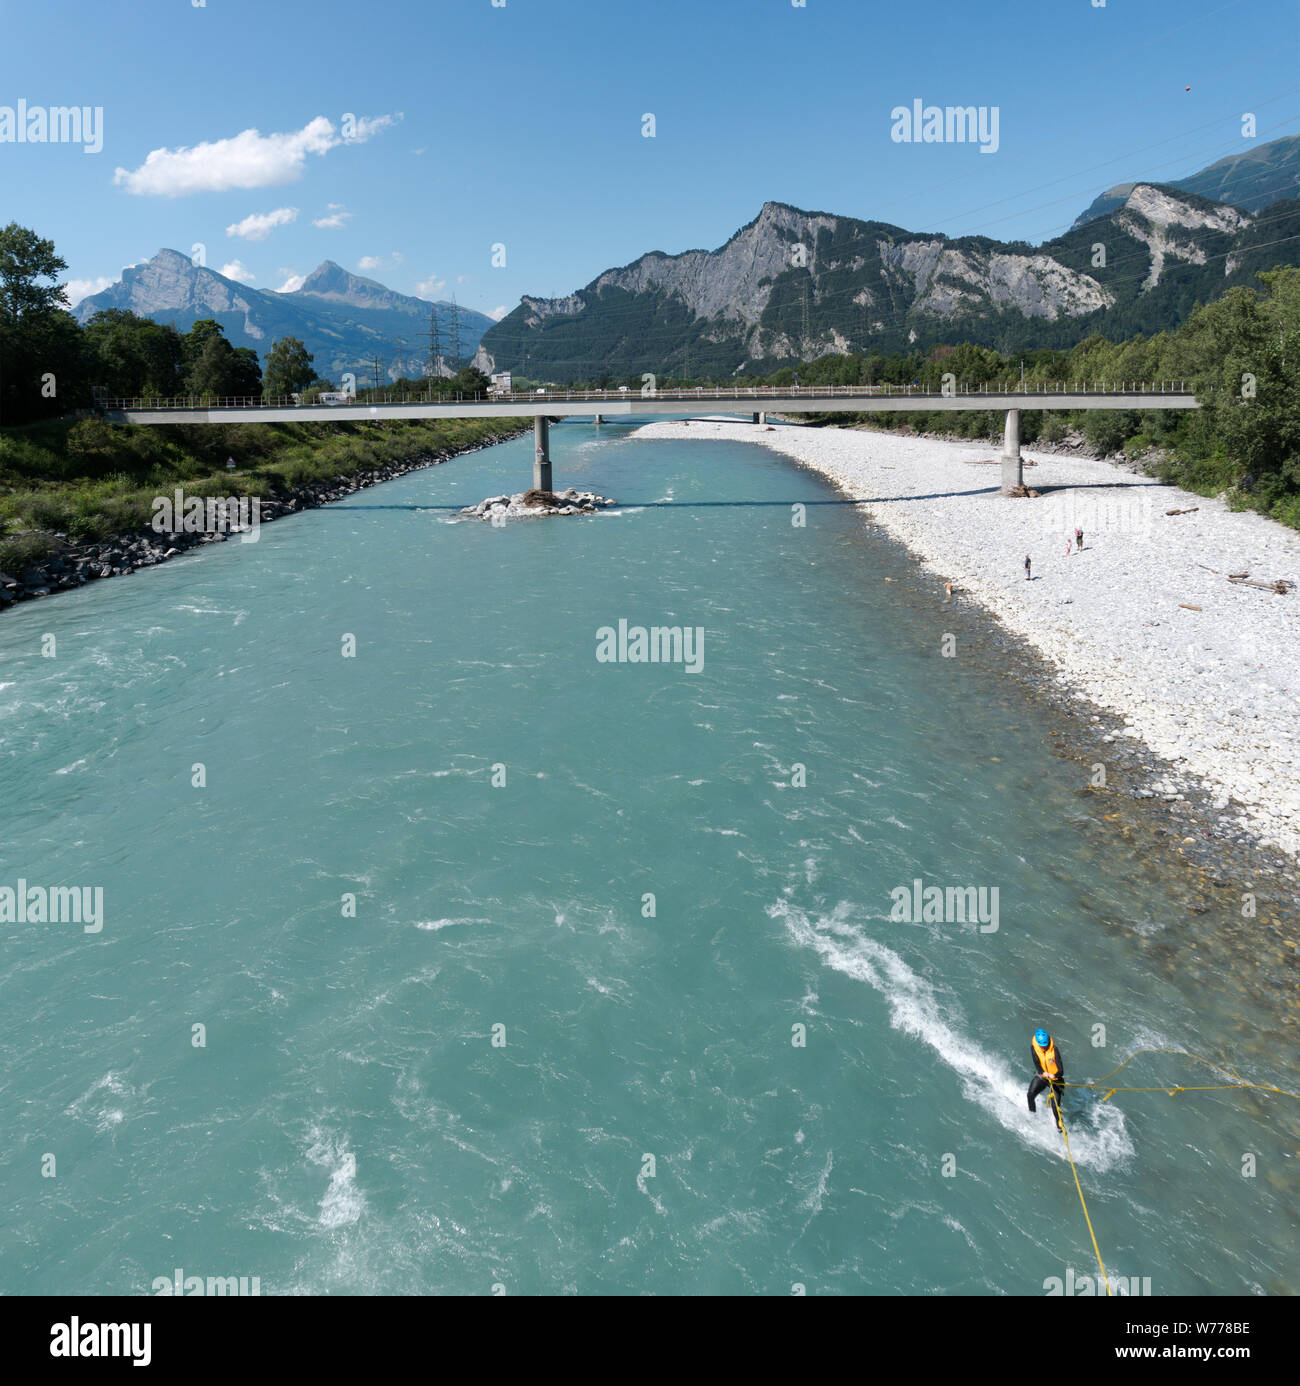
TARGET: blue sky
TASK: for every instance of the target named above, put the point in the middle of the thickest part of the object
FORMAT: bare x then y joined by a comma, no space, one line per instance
521,124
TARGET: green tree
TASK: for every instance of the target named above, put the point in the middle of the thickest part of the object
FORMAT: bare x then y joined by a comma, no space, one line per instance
245,373
471,381
1252,403
288,368
214,368
26,259
42,355
131,355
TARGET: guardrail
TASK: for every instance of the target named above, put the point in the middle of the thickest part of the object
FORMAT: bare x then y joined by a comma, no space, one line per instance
698,395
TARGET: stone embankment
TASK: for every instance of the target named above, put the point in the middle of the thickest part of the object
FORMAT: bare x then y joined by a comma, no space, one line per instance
75,563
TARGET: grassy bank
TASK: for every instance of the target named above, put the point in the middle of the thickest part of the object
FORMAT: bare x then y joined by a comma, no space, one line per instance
90,480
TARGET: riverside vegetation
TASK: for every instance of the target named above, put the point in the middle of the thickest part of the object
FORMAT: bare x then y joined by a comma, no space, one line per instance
69,481
77,499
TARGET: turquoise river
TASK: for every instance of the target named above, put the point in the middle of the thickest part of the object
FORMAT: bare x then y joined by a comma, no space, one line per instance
556,1047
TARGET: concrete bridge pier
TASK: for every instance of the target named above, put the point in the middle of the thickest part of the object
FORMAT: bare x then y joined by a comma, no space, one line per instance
761,417
598,419
542,455
1012,470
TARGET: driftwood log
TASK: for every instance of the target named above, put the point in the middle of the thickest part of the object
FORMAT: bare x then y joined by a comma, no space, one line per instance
1279,585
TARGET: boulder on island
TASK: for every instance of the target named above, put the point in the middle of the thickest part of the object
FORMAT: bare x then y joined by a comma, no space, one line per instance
535,502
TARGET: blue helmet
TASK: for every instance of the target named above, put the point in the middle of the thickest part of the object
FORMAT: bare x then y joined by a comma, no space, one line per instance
1042,1039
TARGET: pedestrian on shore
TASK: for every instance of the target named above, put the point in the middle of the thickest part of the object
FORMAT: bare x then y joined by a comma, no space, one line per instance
1078,539
1027,577
1067,546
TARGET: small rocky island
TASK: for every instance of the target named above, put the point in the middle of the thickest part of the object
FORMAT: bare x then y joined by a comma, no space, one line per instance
570,502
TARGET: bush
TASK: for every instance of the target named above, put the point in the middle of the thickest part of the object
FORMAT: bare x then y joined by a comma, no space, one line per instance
1287,511
23,456
48,510
20,551
1106,429
1054,429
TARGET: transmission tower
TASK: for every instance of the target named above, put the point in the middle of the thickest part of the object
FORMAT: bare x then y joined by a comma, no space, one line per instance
455,334
435,341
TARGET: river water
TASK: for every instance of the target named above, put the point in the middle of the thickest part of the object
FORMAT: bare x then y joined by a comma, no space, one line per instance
621,1007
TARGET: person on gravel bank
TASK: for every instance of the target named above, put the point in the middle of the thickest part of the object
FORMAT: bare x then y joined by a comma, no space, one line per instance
1027,577
1078,539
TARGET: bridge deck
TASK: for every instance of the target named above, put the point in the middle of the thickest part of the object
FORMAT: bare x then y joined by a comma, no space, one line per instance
567,404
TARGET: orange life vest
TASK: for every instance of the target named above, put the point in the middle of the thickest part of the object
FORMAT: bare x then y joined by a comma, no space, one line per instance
1047,1057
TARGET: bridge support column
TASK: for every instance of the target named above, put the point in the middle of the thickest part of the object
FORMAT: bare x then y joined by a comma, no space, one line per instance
542,455
598,419
1012,470
761,417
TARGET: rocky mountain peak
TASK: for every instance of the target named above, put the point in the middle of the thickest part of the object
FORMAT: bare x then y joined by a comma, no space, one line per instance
1163,207
172,261
332,281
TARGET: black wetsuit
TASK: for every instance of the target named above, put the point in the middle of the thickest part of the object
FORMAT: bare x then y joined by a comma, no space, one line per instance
1041,1083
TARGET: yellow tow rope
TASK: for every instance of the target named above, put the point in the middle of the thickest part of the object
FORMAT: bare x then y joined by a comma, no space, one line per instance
1057,1108
1176,1088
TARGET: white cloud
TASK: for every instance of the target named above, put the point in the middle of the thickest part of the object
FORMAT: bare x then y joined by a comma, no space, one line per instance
369,262
367,126
77,289
258,225
460,278
236,269
247,160
335,217
292,283
431,287
398,257
498,313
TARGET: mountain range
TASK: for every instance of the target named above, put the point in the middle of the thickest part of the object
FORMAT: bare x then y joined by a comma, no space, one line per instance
791,285
346,321
1252,181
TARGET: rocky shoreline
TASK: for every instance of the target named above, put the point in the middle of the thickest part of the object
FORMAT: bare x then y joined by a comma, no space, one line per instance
77,563
1179,682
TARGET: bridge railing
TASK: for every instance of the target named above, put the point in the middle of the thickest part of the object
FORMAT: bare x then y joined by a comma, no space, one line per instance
699,394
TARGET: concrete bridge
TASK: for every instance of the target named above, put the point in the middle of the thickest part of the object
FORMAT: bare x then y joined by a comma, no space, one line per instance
545,405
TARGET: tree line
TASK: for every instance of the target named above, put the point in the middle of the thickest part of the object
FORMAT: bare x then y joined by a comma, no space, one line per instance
1241,354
